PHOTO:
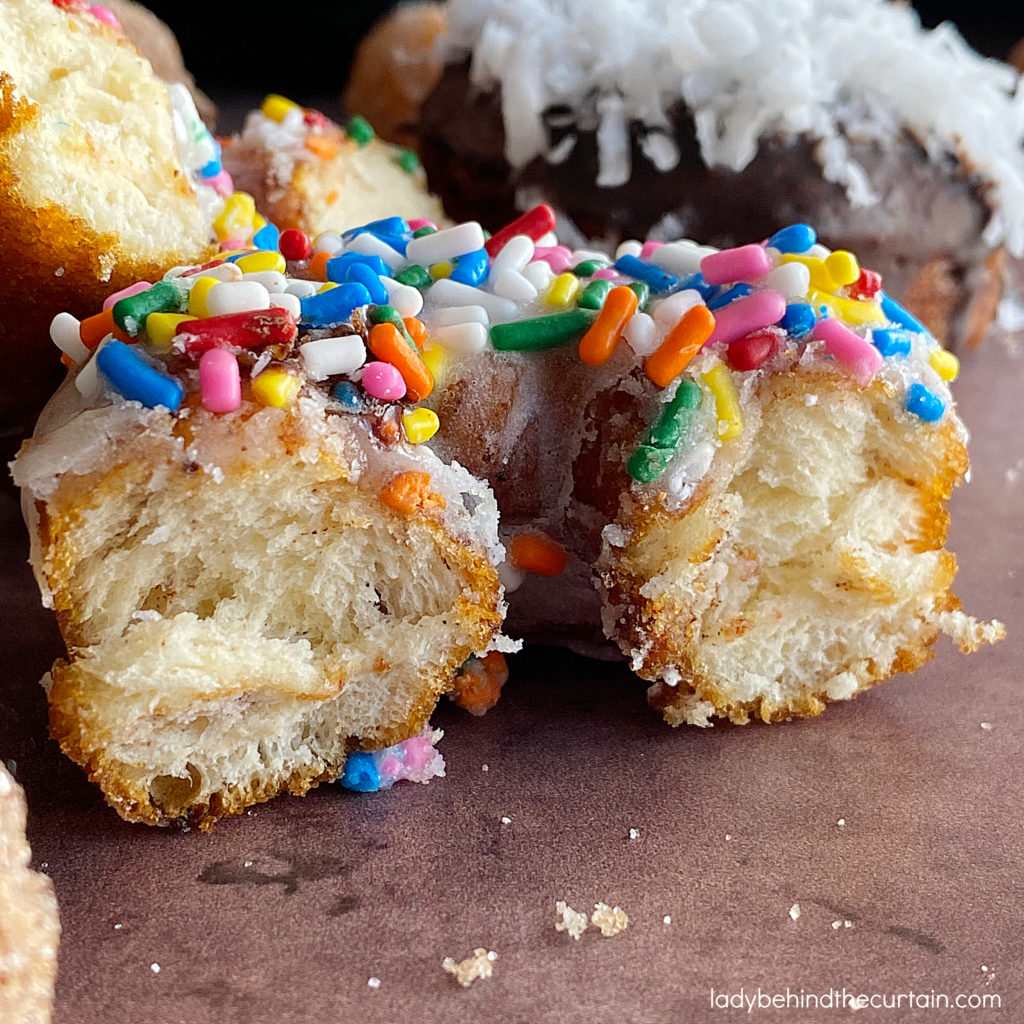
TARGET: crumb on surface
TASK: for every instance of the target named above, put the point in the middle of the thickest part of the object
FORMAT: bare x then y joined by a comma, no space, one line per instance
611,920
569,920
374,982
794,911
634,833
479,965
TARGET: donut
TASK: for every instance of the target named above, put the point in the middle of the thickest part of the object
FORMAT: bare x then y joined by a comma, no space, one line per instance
30,924
308,173
658,120
268,519
101,182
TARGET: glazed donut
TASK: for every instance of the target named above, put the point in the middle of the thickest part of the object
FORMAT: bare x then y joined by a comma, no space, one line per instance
721,123
29,925
101,173
268,519
306,172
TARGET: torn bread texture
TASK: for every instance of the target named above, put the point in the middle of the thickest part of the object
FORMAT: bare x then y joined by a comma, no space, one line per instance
29,922
239,606
807,564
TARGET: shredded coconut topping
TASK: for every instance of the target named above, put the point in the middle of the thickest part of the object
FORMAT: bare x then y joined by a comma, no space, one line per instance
830,69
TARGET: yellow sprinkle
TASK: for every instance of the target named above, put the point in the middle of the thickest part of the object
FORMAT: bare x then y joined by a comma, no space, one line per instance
944,363
435,358
727,401
820,276
259,221
851,310
160,328
563,290
276,387
420,425
276,107
442,269
265,259
236,219
197,296
327,286
843,267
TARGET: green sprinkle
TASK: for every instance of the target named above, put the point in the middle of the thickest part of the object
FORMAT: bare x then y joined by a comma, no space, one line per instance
593,296
647,463
676,416
541,332
408,161
164,297
414,275
589,267
390,315
425,230
643,293
359,130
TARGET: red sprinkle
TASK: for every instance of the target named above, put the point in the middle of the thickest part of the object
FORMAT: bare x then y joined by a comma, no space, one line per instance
250,329
295,244
536,223
194,271
867,286
751,352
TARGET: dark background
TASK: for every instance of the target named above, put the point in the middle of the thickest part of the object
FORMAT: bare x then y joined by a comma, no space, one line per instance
305,50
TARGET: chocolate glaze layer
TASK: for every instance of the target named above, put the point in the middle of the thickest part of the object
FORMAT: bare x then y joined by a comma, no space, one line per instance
924,234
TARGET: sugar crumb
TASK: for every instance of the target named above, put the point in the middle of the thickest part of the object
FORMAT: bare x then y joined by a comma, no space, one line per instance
794,911
841,822
485,768
667,919
634,833
611,920
373,983
506,820
987,726
155,968
479,965
836,925
569,920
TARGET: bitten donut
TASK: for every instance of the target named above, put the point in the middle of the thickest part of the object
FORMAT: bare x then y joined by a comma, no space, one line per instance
656,119
306,172
107,176
267,513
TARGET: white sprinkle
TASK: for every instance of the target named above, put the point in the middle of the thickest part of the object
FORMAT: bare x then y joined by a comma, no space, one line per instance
374,983
446,244
794,911
371,245
286,300
629,247
155,968
272,280
984,969
634,833
727,837
539,274
448,315
667,919
841,822
301,289
513,255
236,297
447,292
511,284
328,241
642,334
406,299
485,768
506,820
466,337
327,357
987,726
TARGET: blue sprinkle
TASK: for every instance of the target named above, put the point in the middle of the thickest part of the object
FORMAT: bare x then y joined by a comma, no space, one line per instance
385,226
799,319
348,395
362,274
471,268
737,291
210,170
267,237
924,403
651,275
891,342
334,306
696,282
897,314
795,238
337,266
360,773
136,379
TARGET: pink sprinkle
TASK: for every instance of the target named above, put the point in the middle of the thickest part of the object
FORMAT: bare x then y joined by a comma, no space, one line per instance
421,222
221,183
558,257
746,315
849,348
132,289
220,384
105,15
606,274
745,263
648,248
230,244
382,380
419,752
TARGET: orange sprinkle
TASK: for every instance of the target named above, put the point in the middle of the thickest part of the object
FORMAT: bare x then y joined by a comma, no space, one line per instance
684,341
478,683
322,147
332,197
318,265
93,329
597,345
417,330
409,492
387,344
536,552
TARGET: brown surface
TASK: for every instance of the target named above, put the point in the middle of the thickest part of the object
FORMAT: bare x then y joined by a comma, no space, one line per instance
927,867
